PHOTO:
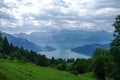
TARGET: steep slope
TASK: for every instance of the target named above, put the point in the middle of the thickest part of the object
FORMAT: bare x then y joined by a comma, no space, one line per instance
26,44
89,49
15,70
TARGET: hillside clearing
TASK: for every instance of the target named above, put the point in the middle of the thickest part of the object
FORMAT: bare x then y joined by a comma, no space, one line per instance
15,70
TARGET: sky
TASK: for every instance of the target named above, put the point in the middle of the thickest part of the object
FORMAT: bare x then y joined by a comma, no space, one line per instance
43,15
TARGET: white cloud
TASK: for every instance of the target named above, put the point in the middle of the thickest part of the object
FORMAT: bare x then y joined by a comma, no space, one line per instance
37,15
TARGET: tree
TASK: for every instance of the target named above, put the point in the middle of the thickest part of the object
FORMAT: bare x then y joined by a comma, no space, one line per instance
52,62
99,63
99,68
115,48
0,34
11,47
100,52
62,66
0,42
79,66
5,46
41,60
71,60
115,45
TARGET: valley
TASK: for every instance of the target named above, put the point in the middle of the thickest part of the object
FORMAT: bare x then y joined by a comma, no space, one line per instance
64,42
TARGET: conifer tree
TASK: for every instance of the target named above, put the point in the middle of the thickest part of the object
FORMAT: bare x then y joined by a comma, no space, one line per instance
0,42
115,48
5,46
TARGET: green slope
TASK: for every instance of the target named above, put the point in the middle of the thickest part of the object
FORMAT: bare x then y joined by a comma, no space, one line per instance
15,70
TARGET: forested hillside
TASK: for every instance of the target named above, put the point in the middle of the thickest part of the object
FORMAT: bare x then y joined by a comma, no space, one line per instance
26,44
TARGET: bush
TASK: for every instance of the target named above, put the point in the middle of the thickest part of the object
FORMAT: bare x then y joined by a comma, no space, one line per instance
2,77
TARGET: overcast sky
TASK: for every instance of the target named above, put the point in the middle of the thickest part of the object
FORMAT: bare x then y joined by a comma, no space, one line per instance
43,15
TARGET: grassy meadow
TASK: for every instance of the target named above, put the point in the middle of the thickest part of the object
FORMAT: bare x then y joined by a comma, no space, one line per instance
15,70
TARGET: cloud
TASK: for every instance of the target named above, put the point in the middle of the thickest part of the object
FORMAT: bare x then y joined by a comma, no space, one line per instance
6,16
29,16
2,4
108,3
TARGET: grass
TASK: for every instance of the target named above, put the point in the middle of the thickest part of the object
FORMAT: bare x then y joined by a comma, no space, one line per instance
15,70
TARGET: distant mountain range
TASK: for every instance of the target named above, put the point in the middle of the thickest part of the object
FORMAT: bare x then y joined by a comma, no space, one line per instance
62,42
67,39
89,49
20,42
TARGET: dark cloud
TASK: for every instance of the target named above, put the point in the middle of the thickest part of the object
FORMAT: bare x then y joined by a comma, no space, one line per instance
2,4
6,16
108,3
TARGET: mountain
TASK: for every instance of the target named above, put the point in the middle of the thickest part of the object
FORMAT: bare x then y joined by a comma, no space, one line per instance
89,49
26,44
67,39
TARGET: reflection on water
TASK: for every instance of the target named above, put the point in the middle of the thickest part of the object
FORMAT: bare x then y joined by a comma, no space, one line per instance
63,54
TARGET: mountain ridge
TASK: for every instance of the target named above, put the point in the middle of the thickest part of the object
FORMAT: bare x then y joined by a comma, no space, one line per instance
67,39
89,49
20,42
